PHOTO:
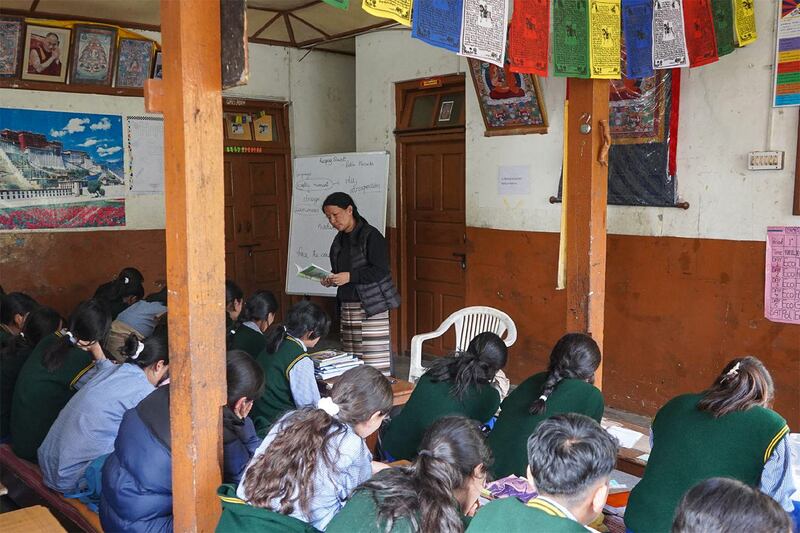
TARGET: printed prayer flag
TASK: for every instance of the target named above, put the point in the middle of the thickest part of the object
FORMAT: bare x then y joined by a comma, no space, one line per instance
637,25
669,39
341,4
604,36
700,39
723,26
484,27
529,36
571,38
397,10
744,21
438,23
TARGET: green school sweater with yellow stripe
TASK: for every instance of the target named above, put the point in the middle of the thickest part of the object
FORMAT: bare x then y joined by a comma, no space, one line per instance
249,340
40,394
509,515
240,517
430,401
509,437
277,398
689,446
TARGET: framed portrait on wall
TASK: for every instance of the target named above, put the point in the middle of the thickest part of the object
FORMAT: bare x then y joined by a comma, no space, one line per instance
237,127
12,35
134,61
93,49
511,103
46,53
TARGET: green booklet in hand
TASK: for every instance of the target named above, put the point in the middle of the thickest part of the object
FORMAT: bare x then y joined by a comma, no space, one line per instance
312,272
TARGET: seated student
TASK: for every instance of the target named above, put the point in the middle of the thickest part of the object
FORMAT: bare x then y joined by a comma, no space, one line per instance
87,426
435,493
40,323
124,290
256,317
245,384
314,457
288,371
570,460
727,430
566,387
58,366
722,505
143,315
14,307
234,300
456,385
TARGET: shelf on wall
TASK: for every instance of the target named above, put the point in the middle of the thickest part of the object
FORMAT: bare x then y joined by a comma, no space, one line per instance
6,83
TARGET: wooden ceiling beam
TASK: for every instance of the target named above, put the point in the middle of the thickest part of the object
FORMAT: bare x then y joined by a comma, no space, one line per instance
307,23
289,29
34,5
350,33
265,26
56,16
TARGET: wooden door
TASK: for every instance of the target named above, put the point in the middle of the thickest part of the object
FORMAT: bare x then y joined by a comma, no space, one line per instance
256,222
433,177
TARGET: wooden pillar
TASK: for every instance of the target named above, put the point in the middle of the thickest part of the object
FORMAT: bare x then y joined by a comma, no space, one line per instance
587,195
192,107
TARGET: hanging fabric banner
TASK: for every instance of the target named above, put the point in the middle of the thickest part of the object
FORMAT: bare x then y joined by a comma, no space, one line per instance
529,37
744,21
397,10
637,26
604,36
438,23
341,4
723,26
700,39
571,39
484,28
669,40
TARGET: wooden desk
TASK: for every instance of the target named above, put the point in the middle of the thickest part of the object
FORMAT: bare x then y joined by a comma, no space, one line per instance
36,519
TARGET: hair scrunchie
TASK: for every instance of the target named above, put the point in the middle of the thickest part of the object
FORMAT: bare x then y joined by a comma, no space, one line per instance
328,405
139,350
67,333
126,280
543,397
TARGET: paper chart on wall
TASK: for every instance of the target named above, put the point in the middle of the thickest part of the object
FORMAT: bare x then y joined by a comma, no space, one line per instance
483,30
669,39
786,87
146,150
782,276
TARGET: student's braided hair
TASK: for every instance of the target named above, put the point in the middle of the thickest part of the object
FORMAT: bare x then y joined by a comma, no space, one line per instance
575,356
424,493
485,355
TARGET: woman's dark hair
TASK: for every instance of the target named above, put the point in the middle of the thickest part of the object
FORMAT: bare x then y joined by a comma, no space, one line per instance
259,306
154,348
232,292
305,440
575,356
245,376
720,505
160,296
341,200
744,382
424,492
129,282
40,323
485,355
89,322
303,317
13,304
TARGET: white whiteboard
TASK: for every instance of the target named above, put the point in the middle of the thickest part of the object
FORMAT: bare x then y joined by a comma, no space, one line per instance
146,157
364,176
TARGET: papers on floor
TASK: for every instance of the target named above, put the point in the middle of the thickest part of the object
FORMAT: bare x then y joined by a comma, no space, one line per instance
331,363
312,272
627,437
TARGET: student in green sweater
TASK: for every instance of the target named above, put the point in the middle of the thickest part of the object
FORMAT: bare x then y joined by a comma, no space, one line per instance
566,387
40,323
436,493
14,307
460,384
720,504
234,300
289,372
728,430
570,460
256,317
58,366
121,292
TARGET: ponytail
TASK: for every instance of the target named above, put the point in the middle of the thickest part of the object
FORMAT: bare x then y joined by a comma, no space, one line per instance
486,354
258,307
304,317
744,383
89,322
575,356
148,352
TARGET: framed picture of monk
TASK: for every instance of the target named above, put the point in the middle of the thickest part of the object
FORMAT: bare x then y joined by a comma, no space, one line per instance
46,53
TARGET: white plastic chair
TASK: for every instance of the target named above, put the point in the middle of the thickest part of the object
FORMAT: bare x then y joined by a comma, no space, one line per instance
468,322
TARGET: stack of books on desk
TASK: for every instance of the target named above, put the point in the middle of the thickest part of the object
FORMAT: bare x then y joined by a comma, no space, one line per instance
331,363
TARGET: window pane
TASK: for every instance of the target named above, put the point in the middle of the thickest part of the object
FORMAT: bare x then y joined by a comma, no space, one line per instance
423,111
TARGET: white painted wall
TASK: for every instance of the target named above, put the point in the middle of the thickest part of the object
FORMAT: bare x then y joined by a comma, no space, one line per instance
320,88
725,110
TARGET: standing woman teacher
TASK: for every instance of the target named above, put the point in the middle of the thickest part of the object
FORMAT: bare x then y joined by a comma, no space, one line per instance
365,292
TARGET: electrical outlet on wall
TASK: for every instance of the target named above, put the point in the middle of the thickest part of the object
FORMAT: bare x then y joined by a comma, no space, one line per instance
765,160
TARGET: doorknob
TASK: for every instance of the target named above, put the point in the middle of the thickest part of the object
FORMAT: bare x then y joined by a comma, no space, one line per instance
463,260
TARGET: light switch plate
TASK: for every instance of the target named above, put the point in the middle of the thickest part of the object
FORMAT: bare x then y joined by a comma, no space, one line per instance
765,160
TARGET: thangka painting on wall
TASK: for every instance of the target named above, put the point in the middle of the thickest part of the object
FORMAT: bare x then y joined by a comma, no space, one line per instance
60,170
12,35
93,51
511,103
133,64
